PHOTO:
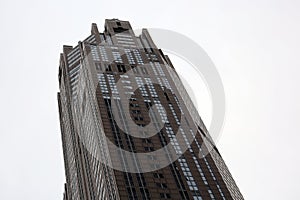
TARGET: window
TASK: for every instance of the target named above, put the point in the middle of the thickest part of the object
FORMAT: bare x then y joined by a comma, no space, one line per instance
138,118
134,105
117,57
98,66
144,70
147,140
149,148
165,195
136,111
161,185
158,175
121,68
108,68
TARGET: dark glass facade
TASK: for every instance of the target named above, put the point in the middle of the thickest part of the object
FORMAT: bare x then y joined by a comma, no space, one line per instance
110,151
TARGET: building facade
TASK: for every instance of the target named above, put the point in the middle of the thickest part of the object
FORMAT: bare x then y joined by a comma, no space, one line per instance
129,129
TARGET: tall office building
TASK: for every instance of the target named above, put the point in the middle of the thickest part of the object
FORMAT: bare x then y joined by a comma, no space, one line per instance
129,129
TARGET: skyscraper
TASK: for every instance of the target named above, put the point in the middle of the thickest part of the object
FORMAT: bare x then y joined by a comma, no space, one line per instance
129,129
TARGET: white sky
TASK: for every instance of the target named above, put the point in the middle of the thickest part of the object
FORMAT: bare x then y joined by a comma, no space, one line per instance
254,44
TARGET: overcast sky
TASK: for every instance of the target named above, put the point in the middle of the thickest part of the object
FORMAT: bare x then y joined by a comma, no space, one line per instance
254,44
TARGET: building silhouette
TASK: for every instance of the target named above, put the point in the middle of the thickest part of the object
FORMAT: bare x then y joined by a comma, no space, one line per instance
129,129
